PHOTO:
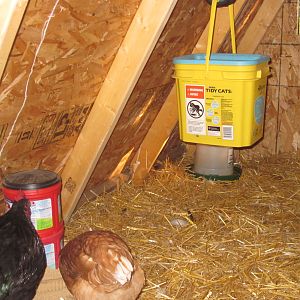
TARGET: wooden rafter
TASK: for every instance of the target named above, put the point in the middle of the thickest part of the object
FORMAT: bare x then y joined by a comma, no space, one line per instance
242,21
130,60
156,138
11,14
260,23
221,28
166,119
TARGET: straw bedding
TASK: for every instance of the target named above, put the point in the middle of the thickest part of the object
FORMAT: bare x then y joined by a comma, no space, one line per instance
198,239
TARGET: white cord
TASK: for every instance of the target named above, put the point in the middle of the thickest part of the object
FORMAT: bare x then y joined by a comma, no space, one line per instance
43,35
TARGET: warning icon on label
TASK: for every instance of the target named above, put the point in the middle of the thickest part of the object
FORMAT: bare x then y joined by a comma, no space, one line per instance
195,109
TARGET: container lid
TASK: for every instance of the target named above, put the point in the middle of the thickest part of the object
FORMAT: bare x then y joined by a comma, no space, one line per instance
227,59
31,180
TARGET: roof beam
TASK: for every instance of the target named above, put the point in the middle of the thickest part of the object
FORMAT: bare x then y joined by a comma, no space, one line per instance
258,26
242,21
155,139
146,27
221,30
11,14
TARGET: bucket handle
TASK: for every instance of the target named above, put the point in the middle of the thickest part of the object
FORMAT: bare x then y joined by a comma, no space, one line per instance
211,30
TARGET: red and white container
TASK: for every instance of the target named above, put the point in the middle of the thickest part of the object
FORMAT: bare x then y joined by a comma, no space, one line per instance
42,188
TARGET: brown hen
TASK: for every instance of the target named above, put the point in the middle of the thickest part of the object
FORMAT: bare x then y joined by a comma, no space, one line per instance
98,265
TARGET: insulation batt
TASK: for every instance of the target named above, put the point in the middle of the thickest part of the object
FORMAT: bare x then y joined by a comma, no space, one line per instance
99,265
22,254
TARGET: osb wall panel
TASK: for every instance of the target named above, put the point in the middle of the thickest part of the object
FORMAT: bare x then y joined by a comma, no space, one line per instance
282,125
179,37
44,102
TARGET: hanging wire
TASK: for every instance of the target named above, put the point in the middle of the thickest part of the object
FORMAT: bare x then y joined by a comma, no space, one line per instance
43,35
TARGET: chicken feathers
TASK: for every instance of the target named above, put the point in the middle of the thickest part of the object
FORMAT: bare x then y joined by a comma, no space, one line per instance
99,265
22,254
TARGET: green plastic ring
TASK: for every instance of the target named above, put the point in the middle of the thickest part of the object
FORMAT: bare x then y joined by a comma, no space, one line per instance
237,172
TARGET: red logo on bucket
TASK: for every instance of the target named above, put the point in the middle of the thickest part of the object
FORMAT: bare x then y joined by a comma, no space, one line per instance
194,91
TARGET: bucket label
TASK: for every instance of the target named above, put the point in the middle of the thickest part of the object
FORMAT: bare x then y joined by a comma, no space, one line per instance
195,108
41,214
213,116
224,107
227,132
219,113
50,255
213,130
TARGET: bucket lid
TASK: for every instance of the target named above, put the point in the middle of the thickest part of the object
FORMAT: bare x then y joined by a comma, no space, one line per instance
31,180
227,59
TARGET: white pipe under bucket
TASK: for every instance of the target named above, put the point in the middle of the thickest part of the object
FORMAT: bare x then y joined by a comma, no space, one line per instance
213,160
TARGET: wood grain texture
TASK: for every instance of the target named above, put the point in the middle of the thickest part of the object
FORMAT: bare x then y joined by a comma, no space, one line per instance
288,120
283,101
11,14
156,138
221,28
260,23
290,65
154,85
289,23
146,27
79,46
289,97
243,19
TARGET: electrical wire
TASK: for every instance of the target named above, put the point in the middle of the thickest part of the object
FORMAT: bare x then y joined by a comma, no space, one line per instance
43,35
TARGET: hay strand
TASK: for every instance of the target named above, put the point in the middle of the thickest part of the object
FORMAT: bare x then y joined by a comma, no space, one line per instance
198,239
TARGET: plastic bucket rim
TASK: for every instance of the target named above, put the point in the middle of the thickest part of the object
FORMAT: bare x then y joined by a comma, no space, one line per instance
9,184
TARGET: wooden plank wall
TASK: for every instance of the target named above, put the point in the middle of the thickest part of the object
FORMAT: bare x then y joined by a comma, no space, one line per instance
179,37
51,81
282,126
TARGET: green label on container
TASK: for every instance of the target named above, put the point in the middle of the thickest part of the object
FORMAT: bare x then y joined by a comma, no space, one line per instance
44,223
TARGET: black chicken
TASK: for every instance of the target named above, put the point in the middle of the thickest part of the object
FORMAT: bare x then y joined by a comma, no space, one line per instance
22,254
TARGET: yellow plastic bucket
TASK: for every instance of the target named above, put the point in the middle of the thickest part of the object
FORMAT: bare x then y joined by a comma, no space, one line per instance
221,97
222,106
